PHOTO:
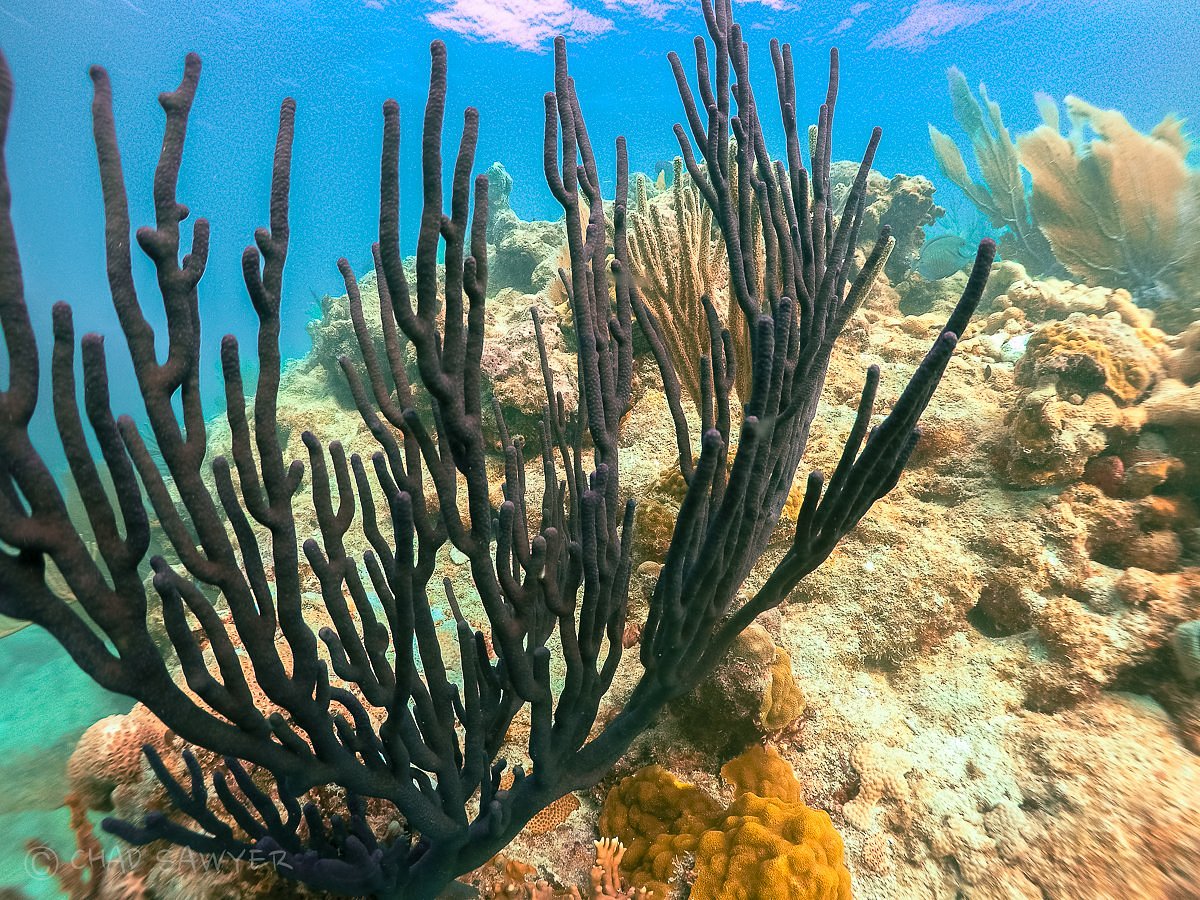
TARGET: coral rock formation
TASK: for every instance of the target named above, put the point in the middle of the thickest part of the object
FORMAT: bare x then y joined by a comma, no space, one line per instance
108,763
518,250
902,203
1084,354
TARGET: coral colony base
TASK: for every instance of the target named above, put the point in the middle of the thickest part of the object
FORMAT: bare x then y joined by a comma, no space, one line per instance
993,701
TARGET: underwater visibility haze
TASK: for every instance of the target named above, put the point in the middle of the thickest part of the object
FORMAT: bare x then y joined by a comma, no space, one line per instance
514,449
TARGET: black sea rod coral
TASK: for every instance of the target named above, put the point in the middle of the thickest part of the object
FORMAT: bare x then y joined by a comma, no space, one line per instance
369,704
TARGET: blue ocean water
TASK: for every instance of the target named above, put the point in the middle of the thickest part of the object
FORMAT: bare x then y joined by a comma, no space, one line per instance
341,58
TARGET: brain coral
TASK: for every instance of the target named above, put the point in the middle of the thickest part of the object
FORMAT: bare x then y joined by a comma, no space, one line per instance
1085,354
751,693
769,845
109,758
762,771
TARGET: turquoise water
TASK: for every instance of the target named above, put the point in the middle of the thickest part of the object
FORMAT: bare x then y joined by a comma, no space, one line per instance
45,704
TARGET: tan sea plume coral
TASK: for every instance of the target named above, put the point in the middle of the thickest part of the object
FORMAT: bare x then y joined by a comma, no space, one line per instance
678,258
1120,209
1000,195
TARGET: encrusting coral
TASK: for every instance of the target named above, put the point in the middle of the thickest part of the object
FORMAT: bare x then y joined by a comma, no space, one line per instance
766,843
783,701
1085,354
881,772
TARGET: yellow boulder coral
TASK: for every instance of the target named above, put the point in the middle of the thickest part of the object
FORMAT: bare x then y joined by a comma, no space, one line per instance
766,848
766,844
647,805
783,702
762,771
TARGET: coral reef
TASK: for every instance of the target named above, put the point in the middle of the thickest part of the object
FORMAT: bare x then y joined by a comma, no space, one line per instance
1022,612
332,335
510,365
517,250
313,665
1083,377
989,689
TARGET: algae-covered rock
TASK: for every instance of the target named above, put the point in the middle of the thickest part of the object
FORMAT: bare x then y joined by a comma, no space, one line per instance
1052,439
903,202
1086,354
752,692
1078,382
517,250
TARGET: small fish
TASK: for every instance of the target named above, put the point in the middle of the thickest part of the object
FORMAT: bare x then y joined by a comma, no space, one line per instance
942,256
